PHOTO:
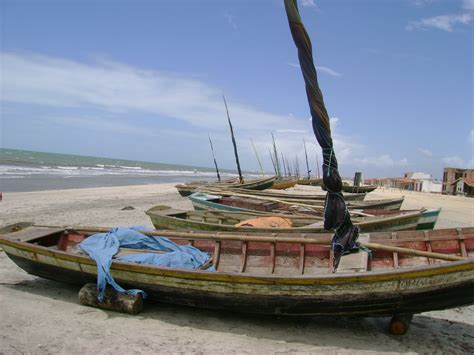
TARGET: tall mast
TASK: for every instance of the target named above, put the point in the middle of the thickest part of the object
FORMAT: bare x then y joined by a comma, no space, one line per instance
306,156
275,154
241,179
258,158
214,157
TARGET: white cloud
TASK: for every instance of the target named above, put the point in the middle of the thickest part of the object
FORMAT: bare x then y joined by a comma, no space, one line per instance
308,3
328,70
320,69
118,92
333,121
114,125
468,4
115,87
383,161
296,131
470,164
443,22
471,136
230,19
426,152
454,161
422,2
101,124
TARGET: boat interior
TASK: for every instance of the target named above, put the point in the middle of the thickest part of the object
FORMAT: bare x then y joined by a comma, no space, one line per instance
276,254
233,218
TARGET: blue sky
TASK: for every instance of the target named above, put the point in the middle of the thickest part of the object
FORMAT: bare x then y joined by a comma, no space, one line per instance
144,80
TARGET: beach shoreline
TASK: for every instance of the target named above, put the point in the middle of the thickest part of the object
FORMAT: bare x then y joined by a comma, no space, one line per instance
43,316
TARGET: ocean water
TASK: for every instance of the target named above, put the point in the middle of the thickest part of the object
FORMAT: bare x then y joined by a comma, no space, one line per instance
22,170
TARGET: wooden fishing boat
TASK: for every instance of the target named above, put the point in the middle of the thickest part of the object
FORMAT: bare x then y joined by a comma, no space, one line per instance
383,204
188,188
427,220
257,184
311,182
276,274
281,184
204,201
164,217
251,184
313,198
358,189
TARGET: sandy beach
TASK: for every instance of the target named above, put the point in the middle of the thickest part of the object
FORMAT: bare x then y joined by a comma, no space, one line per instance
42,316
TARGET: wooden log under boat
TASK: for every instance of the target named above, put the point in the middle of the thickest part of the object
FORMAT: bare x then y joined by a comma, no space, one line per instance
212,220
273,274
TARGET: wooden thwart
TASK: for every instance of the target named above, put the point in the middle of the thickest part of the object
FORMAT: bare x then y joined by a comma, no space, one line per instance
354,262
31,233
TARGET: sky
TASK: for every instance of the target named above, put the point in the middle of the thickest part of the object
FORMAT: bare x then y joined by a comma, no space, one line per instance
144,80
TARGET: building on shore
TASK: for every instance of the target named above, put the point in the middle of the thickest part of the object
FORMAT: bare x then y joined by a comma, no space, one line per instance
410,181
458,182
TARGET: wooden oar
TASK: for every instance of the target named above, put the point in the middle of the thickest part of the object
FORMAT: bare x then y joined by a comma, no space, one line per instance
323,240
409,251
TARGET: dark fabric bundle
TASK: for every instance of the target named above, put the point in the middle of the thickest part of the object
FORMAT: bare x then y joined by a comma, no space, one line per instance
336,215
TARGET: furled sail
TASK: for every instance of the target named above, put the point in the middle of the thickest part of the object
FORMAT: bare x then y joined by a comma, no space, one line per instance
336,215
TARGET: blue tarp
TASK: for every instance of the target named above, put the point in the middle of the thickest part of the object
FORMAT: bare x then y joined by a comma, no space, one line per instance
103,246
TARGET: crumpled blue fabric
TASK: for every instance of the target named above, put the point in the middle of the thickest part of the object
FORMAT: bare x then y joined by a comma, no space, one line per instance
102,247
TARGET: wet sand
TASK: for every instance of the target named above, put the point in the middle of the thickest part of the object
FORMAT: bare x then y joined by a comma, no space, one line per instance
42,316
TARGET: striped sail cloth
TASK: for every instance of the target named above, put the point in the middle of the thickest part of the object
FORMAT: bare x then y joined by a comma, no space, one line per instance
336,215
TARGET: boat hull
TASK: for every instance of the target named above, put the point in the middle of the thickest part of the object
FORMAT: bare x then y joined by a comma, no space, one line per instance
389,205
378,295
311,182
317,199
428,219
201,202
257,185
358,189
260,184
283,184
162,220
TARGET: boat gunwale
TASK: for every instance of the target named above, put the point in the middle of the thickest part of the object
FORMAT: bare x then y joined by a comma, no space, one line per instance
366,277
275,194
380,219
352,205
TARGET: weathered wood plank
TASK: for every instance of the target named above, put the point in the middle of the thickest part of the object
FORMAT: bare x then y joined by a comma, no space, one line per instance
32,233
429,247
395,254
217,254
272,257
462,244
302,258
243,262
355,262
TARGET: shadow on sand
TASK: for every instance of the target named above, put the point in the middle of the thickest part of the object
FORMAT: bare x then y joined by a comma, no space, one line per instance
426,334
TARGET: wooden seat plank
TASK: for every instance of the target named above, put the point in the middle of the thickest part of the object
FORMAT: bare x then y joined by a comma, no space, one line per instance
32,233
355,262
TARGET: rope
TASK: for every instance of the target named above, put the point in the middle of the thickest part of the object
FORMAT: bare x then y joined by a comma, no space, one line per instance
330,165
367,250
